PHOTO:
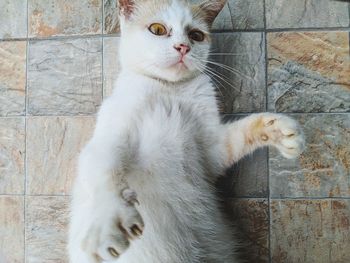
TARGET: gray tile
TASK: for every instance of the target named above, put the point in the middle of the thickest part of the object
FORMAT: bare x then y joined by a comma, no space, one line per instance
12,155
13,19
306,13
247,178
242,84
323,169
111,65
46,229
64,77
12,77
252,218
53,147
237,14
309,72
11,229
240,14
62,17
312,231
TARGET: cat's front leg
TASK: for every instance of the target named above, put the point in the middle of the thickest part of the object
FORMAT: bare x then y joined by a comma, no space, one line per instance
104,218
265,129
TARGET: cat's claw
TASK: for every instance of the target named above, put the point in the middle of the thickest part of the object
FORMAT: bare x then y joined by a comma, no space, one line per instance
285,134
110,235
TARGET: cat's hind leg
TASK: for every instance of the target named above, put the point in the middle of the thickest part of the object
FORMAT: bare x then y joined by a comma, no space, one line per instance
103,232
104,215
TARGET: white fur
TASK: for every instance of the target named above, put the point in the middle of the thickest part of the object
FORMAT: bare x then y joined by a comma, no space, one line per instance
160,135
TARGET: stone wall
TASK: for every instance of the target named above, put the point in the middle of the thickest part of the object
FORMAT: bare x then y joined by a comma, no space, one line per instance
58,63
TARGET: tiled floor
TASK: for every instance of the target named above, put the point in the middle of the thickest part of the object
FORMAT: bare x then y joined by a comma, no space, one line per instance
58,62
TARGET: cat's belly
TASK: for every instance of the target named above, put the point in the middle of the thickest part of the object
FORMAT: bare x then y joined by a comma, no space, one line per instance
183,223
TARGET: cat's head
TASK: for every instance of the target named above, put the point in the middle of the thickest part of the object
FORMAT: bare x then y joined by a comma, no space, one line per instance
166,39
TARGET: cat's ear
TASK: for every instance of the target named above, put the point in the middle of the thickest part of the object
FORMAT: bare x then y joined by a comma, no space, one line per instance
211,8
126,8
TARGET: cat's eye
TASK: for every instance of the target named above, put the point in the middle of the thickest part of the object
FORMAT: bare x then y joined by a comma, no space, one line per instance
158,29
196,35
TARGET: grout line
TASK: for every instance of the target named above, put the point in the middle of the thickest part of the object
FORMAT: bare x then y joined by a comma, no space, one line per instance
307,29
310,198
25,140
103,51
267,150
223,114
288,113
35,195
103,17
48,116
238,114
300,198
274,30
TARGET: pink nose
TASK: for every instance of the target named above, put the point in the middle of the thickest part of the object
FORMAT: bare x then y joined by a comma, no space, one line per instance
182,48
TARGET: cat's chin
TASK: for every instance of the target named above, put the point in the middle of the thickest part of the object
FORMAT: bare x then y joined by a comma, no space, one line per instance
180,73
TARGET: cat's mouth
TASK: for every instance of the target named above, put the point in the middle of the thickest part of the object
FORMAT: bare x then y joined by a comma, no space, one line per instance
181,64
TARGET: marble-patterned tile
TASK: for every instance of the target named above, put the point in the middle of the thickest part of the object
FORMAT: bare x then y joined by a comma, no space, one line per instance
11,229
306,13
12,155
251,217
46,229
64,77
312,231
239,14
111,65
62,17
241,81
13,19
308,72
12,77
53,147
323,169
111,17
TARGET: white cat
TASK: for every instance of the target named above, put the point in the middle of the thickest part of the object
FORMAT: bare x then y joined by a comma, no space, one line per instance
145,189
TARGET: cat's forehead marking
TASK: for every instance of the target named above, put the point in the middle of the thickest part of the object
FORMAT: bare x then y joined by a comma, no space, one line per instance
174,13
178,16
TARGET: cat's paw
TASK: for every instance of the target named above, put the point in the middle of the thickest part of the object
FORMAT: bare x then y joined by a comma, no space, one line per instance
284,133
109,236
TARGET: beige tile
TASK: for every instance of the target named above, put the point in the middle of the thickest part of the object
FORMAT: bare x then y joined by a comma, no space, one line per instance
12,77
312,231
65,76
63,17
11,229
309,72
46,229
111,65
53,146
111,16
13,19
12,155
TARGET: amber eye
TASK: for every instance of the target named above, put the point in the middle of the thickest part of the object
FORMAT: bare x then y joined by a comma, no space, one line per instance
158,29
196,35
